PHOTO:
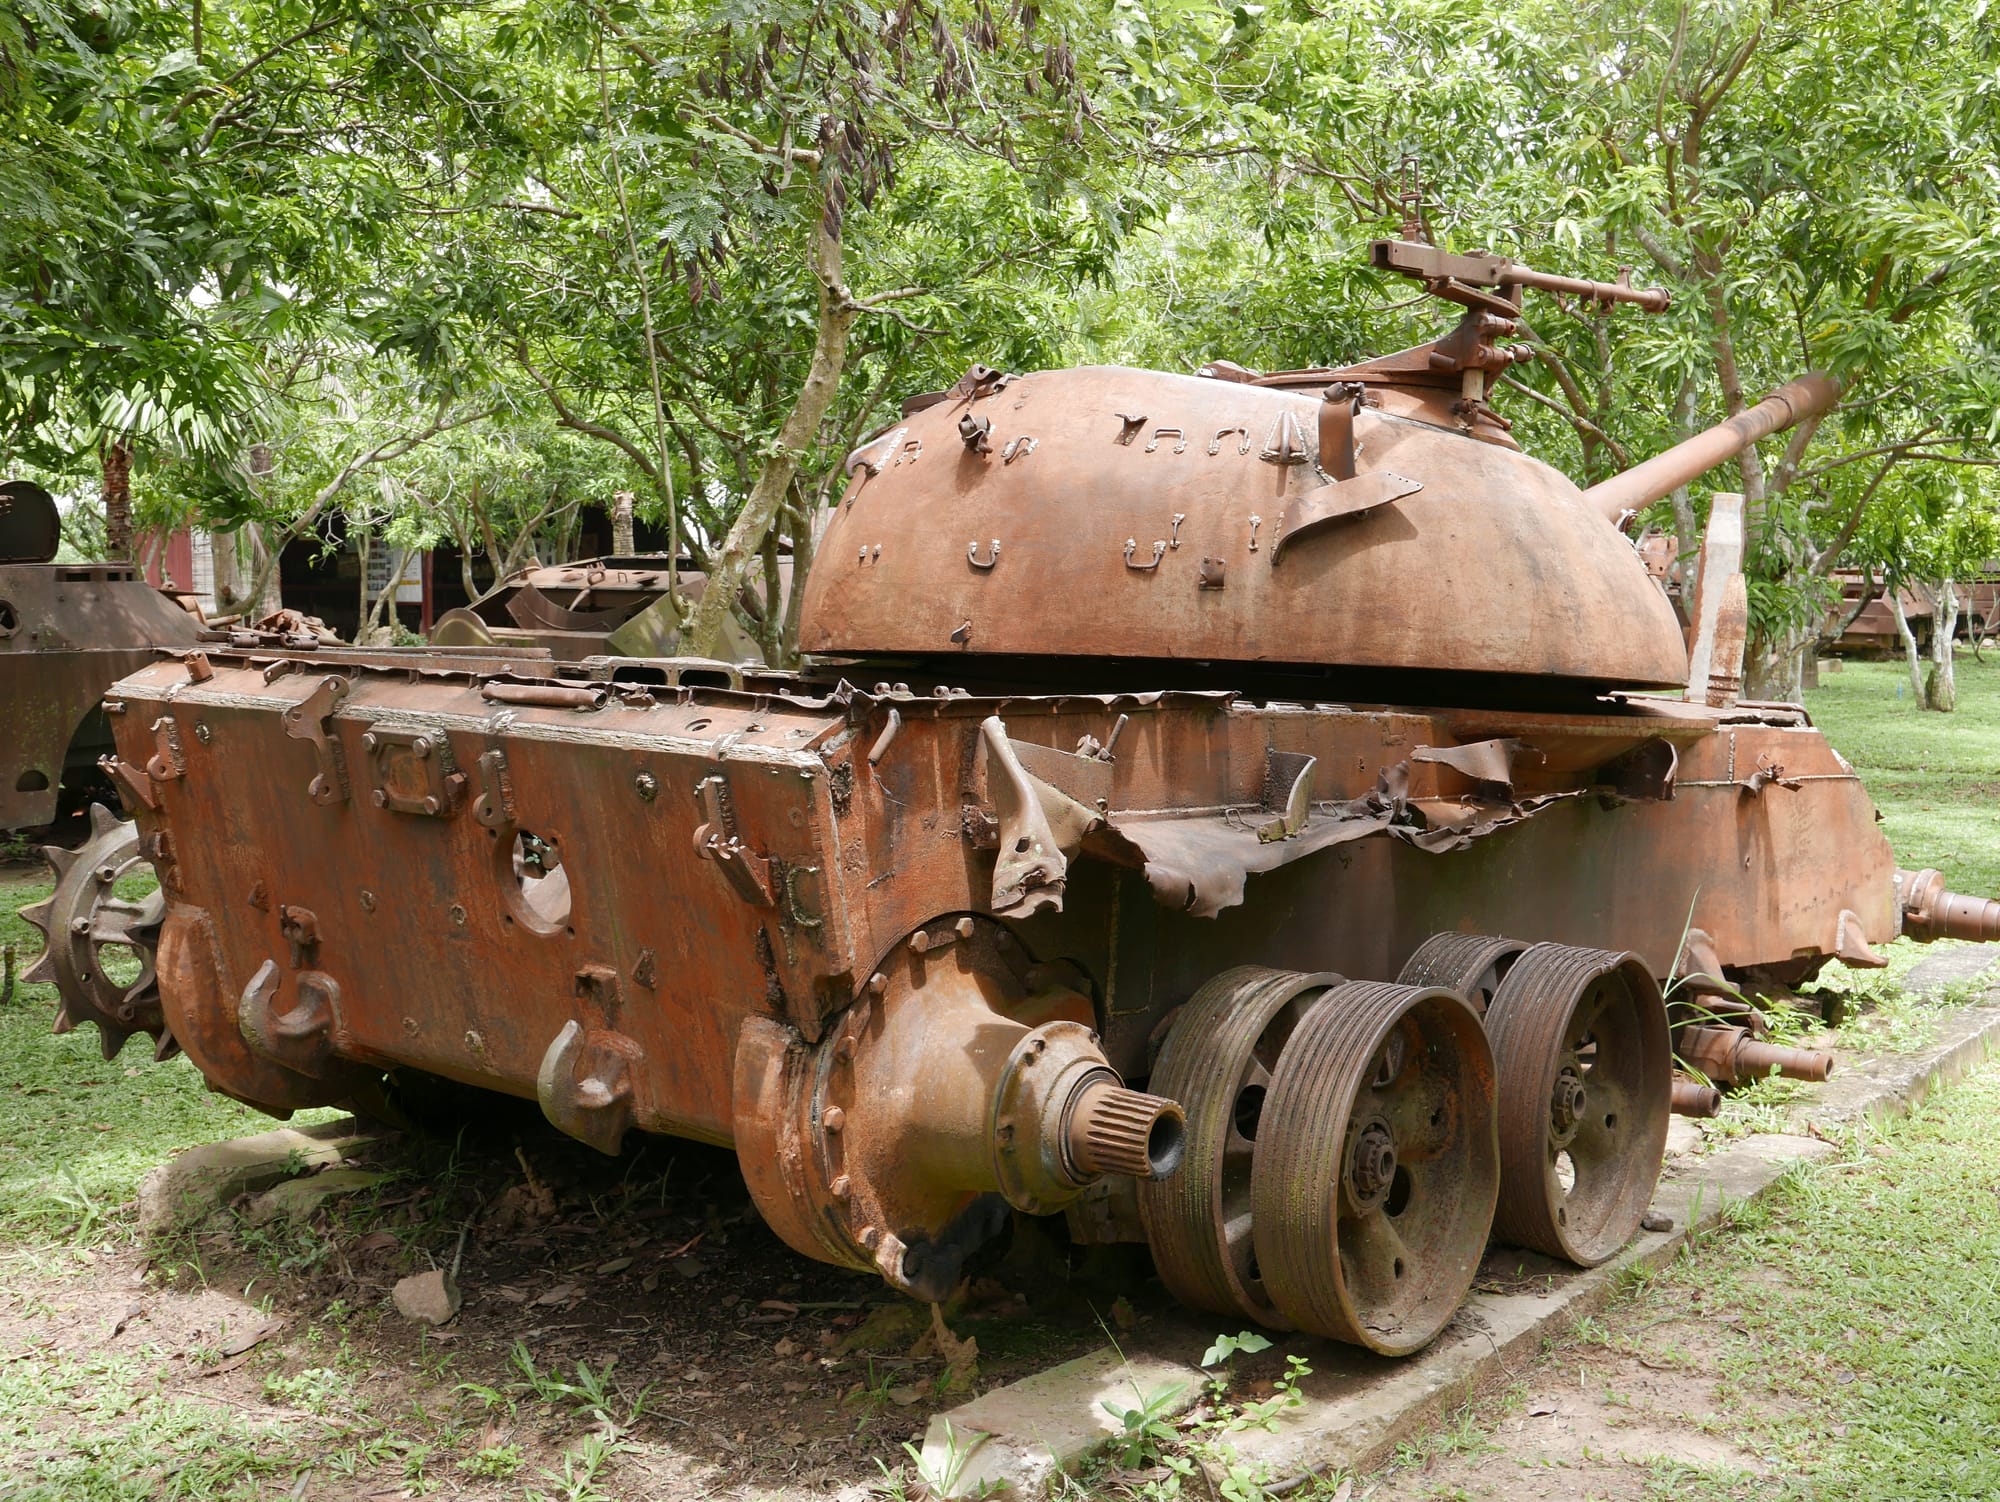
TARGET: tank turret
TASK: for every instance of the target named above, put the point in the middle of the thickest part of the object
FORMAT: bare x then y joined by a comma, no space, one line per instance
1336,525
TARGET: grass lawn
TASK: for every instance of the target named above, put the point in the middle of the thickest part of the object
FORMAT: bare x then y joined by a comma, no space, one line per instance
78,1132
1936,777
1840,1340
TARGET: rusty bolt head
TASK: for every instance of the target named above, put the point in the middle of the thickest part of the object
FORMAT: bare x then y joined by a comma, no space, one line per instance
474,1042
369,740
379,798
457,916
647,786
833,1118
1566,1106
1371,1164
431,804
79,925
868,1237
841,1187
202,733
843,1048
367,901
106,873
420,747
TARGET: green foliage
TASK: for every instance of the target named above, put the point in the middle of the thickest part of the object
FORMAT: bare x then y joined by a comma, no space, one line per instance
1226,1346
550,249
1145,1427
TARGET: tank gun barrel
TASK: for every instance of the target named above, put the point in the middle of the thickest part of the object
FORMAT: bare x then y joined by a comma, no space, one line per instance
1645,482
1652,299
1444,273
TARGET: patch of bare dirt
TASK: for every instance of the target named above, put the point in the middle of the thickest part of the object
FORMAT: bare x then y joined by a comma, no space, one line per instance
761,1372
1590,1421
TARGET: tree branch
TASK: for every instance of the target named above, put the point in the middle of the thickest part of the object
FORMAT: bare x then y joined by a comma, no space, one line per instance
1576,419
383,452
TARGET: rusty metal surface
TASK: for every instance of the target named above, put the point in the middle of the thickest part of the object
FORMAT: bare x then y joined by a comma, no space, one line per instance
1217,1062
963,1083
1581,1054
1175,554
1931,912
1471,964
99,946
506,831
877,866
1064,904
1728,1055
1376,1171
612,605
67,632
1687,461
30,526
1692,1099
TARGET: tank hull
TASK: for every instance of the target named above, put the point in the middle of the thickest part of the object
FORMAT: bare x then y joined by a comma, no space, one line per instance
442,964
908,951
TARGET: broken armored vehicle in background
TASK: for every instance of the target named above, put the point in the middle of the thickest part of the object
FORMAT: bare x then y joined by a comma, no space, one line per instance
68,631
1255,815
593,607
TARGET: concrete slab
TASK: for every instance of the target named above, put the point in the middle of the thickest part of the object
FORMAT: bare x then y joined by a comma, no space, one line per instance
1357,1407
196,1183
1887,1085
1949,967
1020,1435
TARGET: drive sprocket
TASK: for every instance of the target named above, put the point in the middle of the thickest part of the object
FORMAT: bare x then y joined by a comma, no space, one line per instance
98,946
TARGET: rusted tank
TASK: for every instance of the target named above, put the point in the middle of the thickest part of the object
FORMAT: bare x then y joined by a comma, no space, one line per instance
595,606
67,632
1251,815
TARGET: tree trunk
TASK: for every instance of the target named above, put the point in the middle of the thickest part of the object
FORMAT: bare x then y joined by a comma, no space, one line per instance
361,551
804,544
228,571
271,597
117,459
1910,656
1774,672
729,566
1941,684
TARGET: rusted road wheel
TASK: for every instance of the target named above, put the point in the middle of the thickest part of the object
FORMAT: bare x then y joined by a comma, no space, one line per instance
1217,1063
98,947
1580,1043
1376,1165
1471,964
